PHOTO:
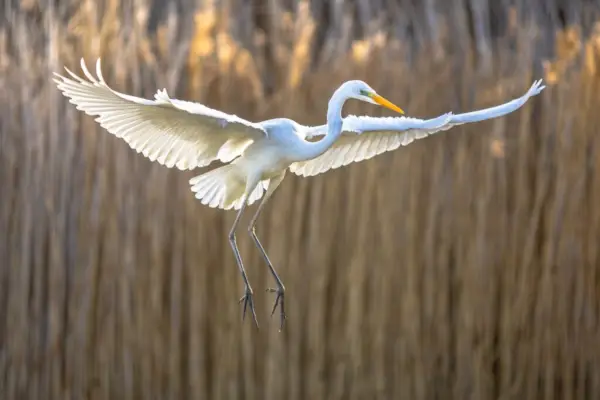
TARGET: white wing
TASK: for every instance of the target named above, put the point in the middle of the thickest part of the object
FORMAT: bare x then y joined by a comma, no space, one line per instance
173,132
365,137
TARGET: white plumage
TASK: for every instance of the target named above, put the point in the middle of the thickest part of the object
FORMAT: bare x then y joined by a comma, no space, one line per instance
188,135
364,137
173,132
382,134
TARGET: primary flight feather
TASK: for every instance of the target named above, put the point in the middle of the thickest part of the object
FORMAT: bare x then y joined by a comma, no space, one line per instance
188,135
175,133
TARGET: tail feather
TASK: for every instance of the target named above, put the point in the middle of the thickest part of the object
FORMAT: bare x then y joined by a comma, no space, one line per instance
224,188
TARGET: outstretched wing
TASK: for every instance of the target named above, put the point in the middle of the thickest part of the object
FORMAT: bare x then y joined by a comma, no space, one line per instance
173,132
365,137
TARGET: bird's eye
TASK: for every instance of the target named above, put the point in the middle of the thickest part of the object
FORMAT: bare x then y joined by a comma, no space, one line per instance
364,92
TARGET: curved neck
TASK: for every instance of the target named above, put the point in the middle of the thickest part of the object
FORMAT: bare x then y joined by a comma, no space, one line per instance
334,128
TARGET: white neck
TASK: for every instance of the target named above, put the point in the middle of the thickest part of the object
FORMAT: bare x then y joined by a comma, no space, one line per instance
334,127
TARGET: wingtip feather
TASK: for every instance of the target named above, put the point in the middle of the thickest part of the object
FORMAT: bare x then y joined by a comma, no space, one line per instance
86,72
99,71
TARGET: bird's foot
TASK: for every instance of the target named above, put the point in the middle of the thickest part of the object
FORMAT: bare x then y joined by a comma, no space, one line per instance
279,301
248,301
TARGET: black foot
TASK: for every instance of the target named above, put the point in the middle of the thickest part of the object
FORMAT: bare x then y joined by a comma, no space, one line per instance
279,301
248,301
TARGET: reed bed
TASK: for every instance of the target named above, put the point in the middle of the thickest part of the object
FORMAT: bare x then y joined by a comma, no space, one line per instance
464,266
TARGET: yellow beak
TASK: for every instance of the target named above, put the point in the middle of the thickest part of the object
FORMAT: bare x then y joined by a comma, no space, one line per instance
386,103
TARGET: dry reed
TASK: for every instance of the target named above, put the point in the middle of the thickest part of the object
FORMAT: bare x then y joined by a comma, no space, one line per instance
464,266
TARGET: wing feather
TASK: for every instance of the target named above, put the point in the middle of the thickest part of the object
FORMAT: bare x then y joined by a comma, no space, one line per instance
365,137
175,133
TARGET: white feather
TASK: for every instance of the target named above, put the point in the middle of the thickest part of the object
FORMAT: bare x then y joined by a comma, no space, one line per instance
364,137
224,188
173,132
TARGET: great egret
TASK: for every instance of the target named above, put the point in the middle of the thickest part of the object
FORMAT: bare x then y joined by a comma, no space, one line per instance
187,135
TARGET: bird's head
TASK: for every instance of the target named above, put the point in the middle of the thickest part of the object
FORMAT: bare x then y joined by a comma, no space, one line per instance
360,90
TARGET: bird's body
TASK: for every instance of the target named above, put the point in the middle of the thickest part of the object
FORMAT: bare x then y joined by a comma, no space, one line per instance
261,161
274,153
188,135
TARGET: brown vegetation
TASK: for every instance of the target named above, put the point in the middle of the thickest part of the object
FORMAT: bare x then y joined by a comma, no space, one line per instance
463,266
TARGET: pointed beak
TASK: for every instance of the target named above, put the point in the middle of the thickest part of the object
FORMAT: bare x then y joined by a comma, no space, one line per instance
385,103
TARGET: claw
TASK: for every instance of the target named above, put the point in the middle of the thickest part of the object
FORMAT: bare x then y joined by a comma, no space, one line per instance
279,301
247,299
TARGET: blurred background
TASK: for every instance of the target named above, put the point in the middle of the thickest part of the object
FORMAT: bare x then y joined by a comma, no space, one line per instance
464,266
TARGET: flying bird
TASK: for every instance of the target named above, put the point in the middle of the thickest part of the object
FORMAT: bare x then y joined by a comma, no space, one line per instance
256,155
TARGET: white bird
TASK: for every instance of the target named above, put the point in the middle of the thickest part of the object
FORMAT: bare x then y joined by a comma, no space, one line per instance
188,135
